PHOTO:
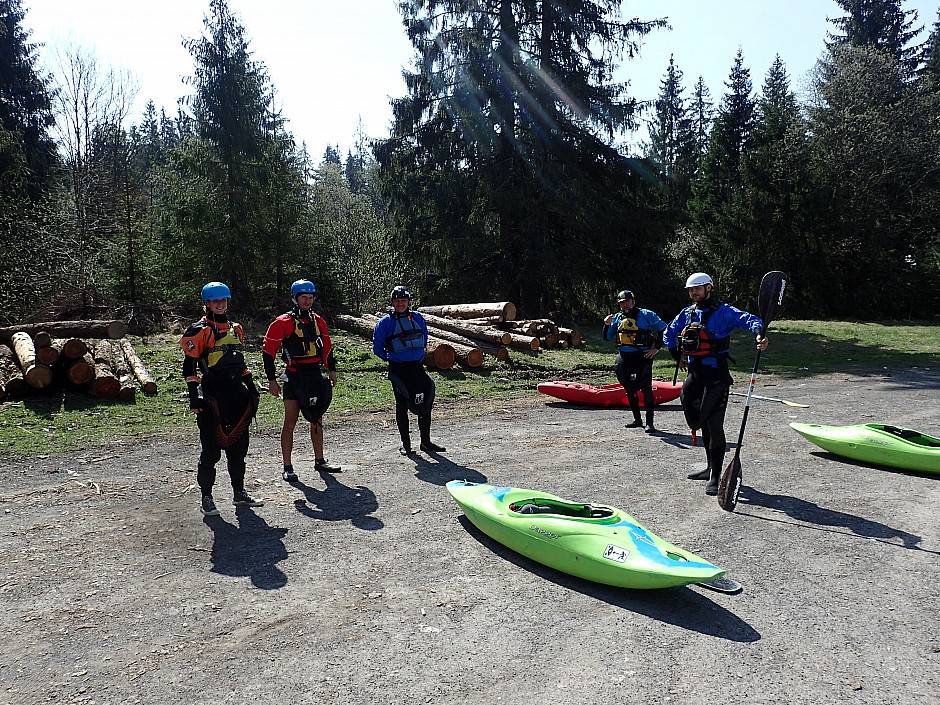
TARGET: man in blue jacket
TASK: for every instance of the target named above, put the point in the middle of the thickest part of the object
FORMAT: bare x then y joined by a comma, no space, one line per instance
638,333
699,339
400,338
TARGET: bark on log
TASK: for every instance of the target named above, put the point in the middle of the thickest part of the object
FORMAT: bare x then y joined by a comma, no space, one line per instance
72,348
139,368
128,391
81,371
355,324
506,309
71,329
105,385
11,377
483,347
484,321
490,335
36,374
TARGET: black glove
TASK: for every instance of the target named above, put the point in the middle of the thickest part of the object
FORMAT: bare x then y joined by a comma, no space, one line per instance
195,402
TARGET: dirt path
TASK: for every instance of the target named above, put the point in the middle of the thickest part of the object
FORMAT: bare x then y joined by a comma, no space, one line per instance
370,587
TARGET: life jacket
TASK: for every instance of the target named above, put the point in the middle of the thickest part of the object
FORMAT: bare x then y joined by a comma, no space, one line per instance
408,334
629,333
225,354
305,343
697,341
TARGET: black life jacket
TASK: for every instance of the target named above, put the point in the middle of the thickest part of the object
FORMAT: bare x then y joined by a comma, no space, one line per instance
225,356
407,335
629,332
696,341
305,343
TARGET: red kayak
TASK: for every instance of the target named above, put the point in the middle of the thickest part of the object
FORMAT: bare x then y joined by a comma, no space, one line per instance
608,395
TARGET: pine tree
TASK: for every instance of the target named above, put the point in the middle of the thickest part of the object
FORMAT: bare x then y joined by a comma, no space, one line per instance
881,25
501,149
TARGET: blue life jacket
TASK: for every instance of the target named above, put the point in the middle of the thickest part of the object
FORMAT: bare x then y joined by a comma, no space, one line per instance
408,334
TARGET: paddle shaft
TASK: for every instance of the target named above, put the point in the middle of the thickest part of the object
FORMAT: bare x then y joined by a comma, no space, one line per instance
782,401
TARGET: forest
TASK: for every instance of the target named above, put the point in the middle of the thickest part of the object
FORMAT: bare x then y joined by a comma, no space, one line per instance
504,176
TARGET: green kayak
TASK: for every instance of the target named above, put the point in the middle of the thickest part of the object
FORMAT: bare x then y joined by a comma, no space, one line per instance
590,541
878,444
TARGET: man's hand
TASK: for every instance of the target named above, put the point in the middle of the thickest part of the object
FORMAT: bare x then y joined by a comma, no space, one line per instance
274,389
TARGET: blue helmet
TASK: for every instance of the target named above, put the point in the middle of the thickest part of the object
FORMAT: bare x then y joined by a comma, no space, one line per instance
213,291
302,286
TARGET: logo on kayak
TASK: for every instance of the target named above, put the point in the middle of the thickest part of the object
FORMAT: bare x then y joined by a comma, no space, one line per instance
547,534
615,553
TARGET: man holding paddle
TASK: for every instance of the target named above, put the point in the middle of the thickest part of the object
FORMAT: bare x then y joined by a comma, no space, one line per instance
699,340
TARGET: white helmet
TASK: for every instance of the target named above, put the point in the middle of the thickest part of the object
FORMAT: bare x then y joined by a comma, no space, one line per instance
699,279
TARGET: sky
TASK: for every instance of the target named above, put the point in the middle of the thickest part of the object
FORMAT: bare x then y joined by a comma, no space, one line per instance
336,62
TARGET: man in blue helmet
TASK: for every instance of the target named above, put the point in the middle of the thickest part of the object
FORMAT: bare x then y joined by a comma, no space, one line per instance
400,338
699,339
304,341
222,394
638,333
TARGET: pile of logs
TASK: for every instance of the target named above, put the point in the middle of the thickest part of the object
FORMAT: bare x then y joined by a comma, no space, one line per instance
92,356
470,333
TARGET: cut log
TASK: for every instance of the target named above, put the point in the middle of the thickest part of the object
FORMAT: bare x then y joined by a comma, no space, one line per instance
47,354
71,329
128,391
439,354
490,335
355,324
574,336
11,377
468,355
42,339
82,371
497,351
523,342
105,385
484,320
139,368
72,348
36,374
506,309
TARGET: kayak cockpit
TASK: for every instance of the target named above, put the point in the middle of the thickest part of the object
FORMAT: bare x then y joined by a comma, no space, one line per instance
576,510
908,435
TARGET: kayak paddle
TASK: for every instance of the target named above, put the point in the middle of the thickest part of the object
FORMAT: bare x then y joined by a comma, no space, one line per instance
769,302
782,401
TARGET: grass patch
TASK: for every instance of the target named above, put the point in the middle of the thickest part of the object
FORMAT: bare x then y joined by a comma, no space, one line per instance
798,349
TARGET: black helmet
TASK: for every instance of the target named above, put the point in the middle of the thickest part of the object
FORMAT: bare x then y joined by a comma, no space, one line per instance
624,295
401,292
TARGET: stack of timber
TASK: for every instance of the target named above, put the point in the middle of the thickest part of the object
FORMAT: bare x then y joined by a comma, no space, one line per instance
71,356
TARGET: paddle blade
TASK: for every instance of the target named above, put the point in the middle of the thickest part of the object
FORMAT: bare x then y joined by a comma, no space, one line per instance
730,485
770,299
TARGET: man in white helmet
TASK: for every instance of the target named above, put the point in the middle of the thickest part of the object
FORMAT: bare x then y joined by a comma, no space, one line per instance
699,339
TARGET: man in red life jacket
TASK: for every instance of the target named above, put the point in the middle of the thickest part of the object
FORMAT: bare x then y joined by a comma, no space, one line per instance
305,345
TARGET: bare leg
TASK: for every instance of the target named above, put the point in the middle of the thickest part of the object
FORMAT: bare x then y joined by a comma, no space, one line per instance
291,412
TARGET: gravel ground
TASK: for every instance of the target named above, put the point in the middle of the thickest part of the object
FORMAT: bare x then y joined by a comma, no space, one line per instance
371,587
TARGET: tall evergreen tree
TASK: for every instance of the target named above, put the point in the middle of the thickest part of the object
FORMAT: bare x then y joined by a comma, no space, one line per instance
215,179
28,168
672,142
718,209
501,148
882,25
